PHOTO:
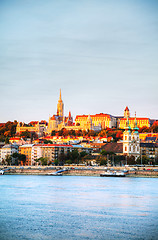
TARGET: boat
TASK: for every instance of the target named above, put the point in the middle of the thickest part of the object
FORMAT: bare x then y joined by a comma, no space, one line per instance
58,173
112,174
55,174
1,172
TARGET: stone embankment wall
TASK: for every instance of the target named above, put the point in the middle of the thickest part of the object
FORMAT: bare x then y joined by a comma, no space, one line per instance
77,171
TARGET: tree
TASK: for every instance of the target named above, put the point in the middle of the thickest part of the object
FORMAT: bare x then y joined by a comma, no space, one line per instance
8,159
6,140
61,159
53,133
131,160
74,155
47,141
25,134
56,162
44,161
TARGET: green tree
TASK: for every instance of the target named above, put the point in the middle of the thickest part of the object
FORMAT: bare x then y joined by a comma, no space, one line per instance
74,155
61,159
6,140
8,159
25,134
56,162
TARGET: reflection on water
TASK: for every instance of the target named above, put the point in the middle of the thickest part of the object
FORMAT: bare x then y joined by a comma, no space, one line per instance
73,207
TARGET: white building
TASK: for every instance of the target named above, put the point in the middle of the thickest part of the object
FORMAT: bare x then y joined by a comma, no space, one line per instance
131,141
36,152
8,150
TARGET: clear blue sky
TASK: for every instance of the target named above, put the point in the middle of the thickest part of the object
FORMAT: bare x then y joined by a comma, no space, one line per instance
103,54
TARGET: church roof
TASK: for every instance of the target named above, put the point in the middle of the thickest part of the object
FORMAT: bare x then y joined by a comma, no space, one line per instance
113,147
126,109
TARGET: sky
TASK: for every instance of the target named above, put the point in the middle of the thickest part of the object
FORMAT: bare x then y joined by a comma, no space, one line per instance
103,54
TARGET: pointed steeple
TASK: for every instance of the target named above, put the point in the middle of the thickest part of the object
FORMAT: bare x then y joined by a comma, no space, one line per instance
60,95
60,106
127,125
69,115
135,124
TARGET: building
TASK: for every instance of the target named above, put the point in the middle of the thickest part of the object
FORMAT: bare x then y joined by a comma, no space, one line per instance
34,127
27,151
96,122
150,150
141,122
59,121
8,150
52,151
131,141
36,153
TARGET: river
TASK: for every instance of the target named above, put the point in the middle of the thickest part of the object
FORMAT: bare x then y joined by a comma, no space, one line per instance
78,207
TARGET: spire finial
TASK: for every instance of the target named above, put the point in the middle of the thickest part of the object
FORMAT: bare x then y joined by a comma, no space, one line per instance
135,124
60,95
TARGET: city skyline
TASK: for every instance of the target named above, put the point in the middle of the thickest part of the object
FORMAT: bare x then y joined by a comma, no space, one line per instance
102,54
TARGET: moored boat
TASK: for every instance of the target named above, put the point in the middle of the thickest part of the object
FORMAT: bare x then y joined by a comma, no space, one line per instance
112,174
1,172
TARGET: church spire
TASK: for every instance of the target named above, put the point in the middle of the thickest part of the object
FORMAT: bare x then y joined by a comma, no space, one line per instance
60,106
135,124
60,95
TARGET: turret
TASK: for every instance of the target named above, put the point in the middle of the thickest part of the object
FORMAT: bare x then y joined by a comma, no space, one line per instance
60,106
126,112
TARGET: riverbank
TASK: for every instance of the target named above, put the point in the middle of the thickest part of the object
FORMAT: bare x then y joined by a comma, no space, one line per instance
80,171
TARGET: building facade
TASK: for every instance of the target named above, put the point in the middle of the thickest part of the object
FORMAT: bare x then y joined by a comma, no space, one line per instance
131,141
8,150
141,122
27,151
98,121
38,127
59,121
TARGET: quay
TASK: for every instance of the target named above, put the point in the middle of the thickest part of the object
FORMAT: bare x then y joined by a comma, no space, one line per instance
80,171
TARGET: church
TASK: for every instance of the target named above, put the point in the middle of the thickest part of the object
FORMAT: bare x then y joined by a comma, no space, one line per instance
131,141
59,121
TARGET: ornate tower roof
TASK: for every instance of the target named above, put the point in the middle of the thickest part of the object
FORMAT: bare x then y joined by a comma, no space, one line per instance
60,106
126,112
127,125
135,124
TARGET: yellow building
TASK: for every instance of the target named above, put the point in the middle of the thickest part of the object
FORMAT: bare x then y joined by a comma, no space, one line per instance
141,122
102,120
37,127
27,151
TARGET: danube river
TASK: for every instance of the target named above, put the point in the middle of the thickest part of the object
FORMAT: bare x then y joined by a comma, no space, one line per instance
77,207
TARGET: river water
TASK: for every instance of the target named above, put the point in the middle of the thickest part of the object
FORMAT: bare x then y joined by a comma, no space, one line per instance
78,207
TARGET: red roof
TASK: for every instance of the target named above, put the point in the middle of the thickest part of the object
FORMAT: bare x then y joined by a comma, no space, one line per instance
15,138
126,109
134,118
56,145
96,115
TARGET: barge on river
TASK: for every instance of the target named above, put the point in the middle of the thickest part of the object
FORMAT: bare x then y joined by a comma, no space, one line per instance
112,174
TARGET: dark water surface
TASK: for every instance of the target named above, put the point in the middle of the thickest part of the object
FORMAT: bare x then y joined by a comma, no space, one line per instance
74,207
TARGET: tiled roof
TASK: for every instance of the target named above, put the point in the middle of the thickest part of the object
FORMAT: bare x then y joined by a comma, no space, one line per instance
96,115
113,147
132,118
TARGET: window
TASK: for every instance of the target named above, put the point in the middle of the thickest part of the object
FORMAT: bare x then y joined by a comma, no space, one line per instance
125,149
